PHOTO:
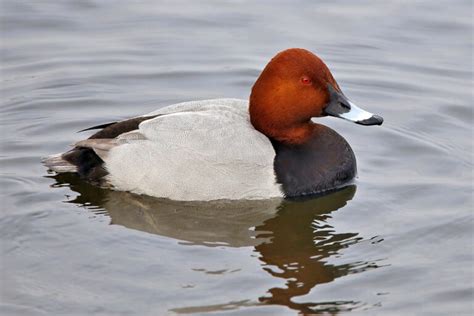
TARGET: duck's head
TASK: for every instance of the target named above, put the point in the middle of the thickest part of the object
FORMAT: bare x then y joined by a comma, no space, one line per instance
295,87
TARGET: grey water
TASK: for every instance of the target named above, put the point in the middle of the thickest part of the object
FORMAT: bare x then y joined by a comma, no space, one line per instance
398,242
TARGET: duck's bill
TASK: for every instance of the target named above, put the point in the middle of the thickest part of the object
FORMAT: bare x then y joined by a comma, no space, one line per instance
341,107
359,116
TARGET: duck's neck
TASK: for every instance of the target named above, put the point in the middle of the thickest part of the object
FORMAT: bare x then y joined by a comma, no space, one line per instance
295,135
279,124
289,134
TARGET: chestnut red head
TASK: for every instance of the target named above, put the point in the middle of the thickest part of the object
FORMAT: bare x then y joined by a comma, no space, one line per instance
294,87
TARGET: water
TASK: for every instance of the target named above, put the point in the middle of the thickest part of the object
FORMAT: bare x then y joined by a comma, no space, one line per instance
399,243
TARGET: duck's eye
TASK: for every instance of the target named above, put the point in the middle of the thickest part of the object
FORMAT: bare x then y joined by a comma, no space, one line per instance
305,80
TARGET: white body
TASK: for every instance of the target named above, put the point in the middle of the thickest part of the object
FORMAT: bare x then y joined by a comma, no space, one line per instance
200,150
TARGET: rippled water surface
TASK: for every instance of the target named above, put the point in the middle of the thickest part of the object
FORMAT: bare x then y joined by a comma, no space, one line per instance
399,242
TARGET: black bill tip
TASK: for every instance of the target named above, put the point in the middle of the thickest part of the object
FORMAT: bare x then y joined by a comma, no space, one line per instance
373,120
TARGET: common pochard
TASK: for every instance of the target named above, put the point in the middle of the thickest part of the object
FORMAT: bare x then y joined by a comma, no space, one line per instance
228,148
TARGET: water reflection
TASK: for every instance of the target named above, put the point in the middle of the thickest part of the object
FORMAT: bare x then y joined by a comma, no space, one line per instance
293,239
301,243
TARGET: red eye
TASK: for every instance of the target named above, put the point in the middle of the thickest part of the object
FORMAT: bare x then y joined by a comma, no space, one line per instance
305,80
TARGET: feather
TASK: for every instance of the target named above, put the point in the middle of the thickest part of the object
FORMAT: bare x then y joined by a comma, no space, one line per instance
97,127
58,164
101,146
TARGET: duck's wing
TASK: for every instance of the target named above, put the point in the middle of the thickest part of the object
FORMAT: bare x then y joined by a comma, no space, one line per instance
197,154
116,133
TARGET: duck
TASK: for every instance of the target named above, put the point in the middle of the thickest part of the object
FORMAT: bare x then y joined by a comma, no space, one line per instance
269,146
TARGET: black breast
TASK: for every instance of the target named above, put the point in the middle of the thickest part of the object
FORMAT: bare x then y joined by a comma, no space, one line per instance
323,163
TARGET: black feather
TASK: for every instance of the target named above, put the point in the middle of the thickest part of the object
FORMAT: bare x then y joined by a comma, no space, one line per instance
97,127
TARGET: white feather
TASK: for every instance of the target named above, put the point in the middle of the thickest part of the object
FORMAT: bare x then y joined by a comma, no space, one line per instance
200,150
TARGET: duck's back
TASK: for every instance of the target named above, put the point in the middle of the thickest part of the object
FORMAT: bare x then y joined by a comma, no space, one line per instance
200,150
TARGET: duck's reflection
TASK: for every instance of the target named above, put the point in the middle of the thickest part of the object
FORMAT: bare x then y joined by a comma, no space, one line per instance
301,243
292,238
